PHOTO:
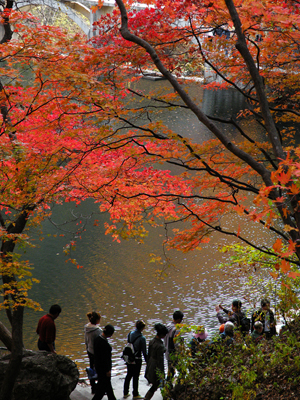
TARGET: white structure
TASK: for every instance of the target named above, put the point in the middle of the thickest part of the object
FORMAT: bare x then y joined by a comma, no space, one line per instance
68,7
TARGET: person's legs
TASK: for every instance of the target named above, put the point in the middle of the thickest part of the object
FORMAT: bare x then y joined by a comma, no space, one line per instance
171,372
136,375
151,391
130,372
43,346
100,388
104,387
109,390
92,365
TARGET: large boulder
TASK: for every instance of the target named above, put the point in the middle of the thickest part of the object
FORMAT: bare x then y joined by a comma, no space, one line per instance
43,376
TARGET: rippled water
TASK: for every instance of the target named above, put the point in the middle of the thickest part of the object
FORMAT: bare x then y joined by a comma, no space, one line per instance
117,279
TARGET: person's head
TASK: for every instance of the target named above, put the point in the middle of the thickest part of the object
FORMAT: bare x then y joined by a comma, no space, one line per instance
161,330
229,329
178,316
265,304
258,326
236,306
94,317
140,325
108,330
55,310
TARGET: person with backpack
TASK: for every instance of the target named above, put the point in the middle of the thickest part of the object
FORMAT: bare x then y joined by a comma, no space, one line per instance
134,368
236,316
170,343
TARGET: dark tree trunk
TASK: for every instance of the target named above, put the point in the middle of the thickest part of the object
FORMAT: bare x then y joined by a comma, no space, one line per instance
7,26
16,315
16,355
5,336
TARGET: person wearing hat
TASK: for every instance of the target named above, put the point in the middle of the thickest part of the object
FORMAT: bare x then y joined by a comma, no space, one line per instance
199,337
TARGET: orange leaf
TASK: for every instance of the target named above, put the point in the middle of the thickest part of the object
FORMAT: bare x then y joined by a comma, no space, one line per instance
285,266
239,209
292,246
285,212
288,228
277,246
284,178
274,275
293,274
294,189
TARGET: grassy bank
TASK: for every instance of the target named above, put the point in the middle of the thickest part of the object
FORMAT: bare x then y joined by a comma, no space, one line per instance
268,370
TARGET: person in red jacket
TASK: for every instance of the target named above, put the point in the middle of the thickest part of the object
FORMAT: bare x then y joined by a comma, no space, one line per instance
46,329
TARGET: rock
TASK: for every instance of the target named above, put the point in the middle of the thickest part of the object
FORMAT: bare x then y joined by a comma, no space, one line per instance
43,376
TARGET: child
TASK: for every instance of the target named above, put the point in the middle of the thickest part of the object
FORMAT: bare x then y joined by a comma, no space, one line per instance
257,333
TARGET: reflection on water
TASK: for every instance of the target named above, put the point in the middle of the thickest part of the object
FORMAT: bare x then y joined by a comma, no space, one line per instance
117,279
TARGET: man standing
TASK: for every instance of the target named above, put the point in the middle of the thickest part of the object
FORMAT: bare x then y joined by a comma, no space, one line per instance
138,341
46,329
169,342
103,364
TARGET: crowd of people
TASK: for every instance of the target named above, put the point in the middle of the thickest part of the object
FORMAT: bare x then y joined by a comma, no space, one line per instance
261,325
162,345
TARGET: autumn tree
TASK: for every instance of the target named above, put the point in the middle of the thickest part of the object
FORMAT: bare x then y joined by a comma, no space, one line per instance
254,48
74,127
59,142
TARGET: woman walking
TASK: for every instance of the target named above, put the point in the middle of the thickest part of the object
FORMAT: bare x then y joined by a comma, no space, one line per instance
155,365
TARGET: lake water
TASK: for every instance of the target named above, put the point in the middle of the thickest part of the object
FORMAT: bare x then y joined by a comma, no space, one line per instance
117,279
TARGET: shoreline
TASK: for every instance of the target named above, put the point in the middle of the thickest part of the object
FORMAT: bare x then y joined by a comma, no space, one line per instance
83,389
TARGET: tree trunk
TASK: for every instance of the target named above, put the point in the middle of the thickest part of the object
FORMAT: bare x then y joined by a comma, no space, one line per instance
14,365
17,313
5,336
